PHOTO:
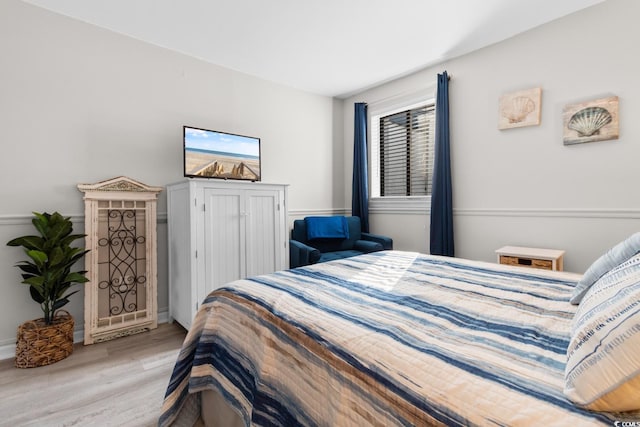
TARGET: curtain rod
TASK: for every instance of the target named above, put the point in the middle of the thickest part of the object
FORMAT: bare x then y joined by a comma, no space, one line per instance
400,95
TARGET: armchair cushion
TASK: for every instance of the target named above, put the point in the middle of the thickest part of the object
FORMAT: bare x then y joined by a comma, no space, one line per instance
330,256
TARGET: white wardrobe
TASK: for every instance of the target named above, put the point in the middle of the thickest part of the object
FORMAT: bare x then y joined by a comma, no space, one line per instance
219,231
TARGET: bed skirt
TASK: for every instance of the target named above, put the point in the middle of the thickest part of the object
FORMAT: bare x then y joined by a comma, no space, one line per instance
216,412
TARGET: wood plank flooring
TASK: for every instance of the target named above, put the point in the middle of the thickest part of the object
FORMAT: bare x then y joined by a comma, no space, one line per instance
115,383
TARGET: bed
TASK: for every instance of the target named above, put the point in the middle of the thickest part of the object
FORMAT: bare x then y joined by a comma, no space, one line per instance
388,338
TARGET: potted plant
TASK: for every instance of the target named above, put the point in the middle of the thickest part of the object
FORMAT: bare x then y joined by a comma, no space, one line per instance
48,273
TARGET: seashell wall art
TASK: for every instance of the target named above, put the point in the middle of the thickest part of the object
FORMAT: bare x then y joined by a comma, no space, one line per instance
518,109
590,121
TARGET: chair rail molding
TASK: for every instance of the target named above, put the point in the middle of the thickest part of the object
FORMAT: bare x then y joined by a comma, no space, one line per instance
25,219
301,213
615,213
423,209
416,209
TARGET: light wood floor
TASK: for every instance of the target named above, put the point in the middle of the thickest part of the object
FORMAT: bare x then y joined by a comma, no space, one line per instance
116,383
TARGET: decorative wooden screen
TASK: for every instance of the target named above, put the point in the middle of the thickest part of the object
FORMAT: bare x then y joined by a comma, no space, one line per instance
120,224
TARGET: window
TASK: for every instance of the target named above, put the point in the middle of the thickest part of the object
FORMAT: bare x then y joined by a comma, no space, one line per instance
402,152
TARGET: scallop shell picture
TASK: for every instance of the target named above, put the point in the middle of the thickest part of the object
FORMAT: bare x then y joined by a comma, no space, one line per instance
518,109
591,121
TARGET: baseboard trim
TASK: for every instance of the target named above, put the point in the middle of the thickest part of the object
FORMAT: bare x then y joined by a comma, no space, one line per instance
8,347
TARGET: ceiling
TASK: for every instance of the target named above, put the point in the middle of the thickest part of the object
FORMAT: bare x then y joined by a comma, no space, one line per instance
329,47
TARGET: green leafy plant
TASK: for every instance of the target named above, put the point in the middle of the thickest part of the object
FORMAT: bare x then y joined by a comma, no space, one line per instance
48,271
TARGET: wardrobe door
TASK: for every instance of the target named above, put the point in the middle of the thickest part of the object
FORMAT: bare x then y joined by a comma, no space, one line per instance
264,230
224,237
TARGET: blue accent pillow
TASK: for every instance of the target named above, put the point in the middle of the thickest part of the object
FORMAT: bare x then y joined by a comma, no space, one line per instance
615,256
327,227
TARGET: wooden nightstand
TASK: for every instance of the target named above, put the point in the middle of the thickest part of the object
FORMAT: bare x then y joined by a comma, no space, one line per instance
548,259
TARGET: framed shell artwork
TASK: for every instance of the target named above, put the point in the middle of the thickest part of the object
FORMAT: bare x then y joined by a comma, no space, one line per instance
590,121
519,109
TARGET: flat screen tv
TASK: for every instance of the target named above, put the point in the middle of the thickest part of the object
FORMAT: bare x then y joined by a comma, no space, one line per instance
213,154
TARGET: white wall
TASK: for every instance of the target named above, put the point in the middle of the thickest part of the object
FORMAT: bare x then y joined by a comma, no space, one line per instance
79,104
523,186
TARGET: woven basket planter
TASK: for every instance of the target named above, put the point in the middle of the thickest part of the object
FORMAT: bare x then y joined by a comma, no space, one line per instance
39,344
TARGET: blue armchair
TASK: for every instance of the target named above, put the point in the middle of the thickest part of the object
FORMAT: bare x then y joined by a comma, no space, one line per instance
304,250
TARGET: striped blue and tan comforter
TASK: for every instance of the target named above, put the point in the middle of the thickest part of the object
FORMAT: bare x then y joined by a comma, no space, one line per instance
389,338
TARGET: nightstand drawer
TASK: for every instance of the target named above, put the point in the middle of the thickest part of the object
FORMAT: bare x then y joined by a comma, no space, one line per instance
526,262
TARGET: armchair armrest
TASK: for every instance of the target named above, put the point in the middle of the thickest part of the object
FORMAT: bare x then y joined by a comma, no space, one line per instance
367,246
301,254
386,242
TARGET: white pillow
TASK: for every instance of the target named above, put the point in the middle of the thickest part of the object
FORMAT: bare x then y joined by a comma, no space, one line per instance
603,357
612,258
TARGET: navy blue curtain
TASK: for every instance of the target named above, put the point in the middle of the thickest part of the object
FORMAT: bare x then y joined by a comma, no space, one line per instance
360,185
441,206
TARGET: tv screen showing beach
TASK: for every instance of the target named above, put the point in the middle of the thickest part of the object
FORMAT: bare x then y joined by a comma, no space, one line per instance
211,154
